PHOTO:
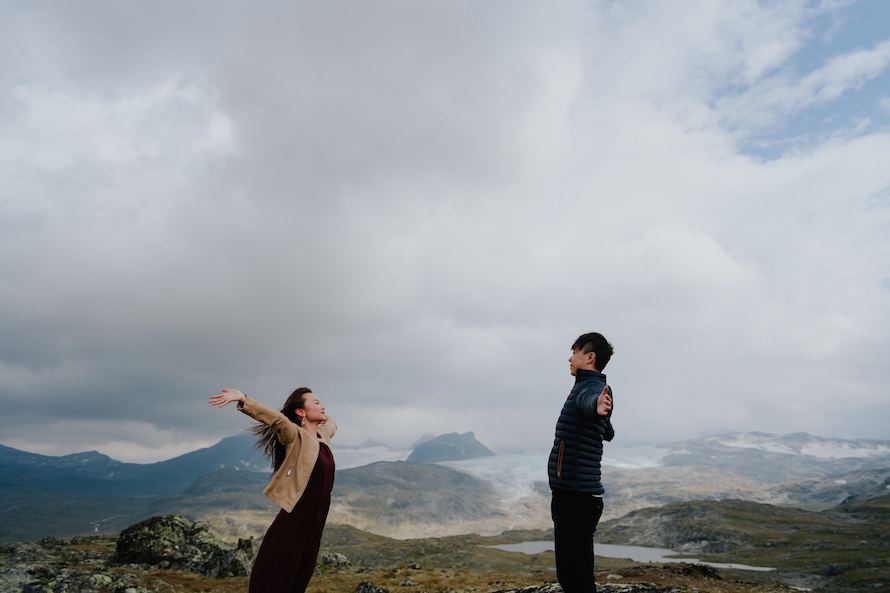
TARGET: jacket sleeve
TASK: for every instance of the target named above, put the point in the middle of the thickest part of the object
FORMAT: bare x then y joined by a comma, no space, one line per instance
328,428
286,430
607,421
586,401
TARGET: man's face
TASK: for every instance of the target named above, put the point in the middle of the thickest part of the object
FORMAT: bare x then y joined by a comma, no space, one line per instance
581,360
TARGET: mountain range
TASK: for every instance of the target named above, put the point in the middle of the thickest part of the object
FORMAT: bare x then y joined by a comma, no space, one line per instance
467,489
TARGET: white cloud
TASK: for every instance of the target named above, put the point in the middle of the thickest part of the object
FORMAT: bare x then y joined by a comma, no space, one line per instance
415,209
123,441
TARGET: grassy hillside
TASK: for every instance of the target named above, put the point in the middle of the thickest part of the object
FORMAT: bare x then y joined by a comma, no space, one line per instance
461,564
843,549
401,498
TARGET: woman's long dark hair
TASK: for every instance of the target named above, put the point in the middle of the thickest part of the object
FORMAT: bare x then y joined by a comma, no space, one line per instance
267,441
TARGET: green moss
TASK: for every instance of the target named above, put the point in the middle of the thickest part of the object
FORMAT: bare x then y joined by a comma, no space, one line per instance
847,547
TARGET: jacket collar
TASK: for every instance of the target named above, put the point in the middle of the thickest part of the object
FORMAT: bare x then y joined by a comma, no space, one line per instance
586,375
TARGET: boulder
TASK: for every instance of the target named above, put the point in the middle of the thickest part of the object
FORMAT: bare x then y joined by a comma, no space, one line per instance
334,560
174,542
369,587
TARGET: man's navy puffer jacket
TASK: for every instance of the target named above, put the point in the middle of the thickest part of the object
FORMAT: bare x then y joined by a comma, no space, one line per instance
574,463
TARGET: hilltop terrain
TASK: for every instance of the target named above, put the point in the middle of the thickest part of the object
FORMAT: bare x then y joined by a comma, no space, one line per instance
841,549
351,560
844,548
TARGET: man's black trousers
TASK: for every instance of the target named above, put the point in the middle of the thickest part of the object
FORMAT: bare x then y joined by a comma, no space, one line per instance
575,516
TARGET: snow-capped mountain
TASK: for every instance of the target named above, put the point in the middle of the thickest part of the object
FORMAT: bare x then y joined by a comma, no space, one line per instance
801,443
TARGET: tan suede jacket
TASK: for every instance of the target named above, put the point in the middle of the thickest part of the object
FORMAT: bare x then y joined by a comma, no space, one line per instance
289,482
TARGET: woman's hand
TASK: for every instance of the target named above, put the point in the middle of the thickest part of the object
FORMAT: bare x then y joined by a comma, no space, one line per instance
226,397
604,402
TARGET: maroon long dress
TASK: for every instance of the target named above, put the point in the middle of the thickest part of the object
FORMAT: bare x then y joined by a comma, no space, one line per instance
289,551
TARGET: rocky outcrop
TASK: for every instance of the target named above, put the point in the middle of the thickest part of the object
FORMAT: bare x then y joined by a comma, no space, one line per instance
87,564
175,542
76,565
335,560
84,564
449,447
686,527
369,587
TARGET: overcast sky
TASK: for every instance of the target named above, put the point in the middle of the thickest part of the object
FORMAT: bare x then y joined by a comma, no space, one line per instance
414,208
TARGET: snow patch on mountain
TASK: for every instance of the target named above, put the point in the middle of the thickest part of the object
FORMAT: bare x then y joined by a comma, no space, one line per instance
634,457
518,476
804,444
830,451
513,476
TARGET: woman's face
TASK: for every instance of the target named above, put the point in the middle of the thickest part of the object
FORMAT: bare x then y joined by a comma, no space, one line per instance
313,409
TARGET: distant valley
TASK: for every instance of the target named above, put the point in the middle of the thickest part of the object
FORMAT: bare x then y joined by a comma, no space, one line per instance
376,490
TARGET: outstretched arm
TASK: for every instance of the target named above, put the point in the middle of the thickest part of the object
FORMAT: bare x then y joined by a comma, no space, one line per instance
604,402
595,405
226,397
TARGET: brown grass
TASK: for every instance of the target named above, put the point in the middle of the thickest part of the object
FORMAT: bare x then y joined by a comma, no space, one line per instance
403,579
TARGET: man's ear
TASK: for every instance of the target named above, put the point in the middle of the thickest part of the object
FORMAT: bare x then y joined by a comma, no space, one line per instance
591,359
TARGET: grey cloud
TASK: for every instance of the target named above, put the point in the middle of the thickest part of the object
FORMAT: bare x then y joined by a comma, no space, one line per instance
414,209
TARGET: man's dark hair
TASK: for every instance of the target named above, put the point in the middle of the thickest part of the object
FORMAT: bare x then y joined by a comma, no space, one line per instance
598,344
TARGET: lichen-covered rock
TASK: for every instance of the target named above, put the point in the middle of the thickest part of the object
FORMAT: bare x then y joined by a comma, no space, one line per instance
369,587
53,565
238,561
177,543
334,560
55,579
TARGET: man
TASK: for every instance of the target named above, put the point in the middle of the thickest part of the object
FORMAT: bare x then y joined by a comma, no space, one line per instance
574,465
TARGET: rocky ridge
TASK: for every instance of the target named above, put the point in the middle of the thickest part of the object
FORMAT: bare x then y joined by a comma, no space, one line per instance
75,565
84,564
158,555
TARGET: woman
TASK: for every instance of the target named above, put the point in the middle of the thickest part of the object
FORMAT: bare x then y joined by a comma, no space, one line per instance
298,440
